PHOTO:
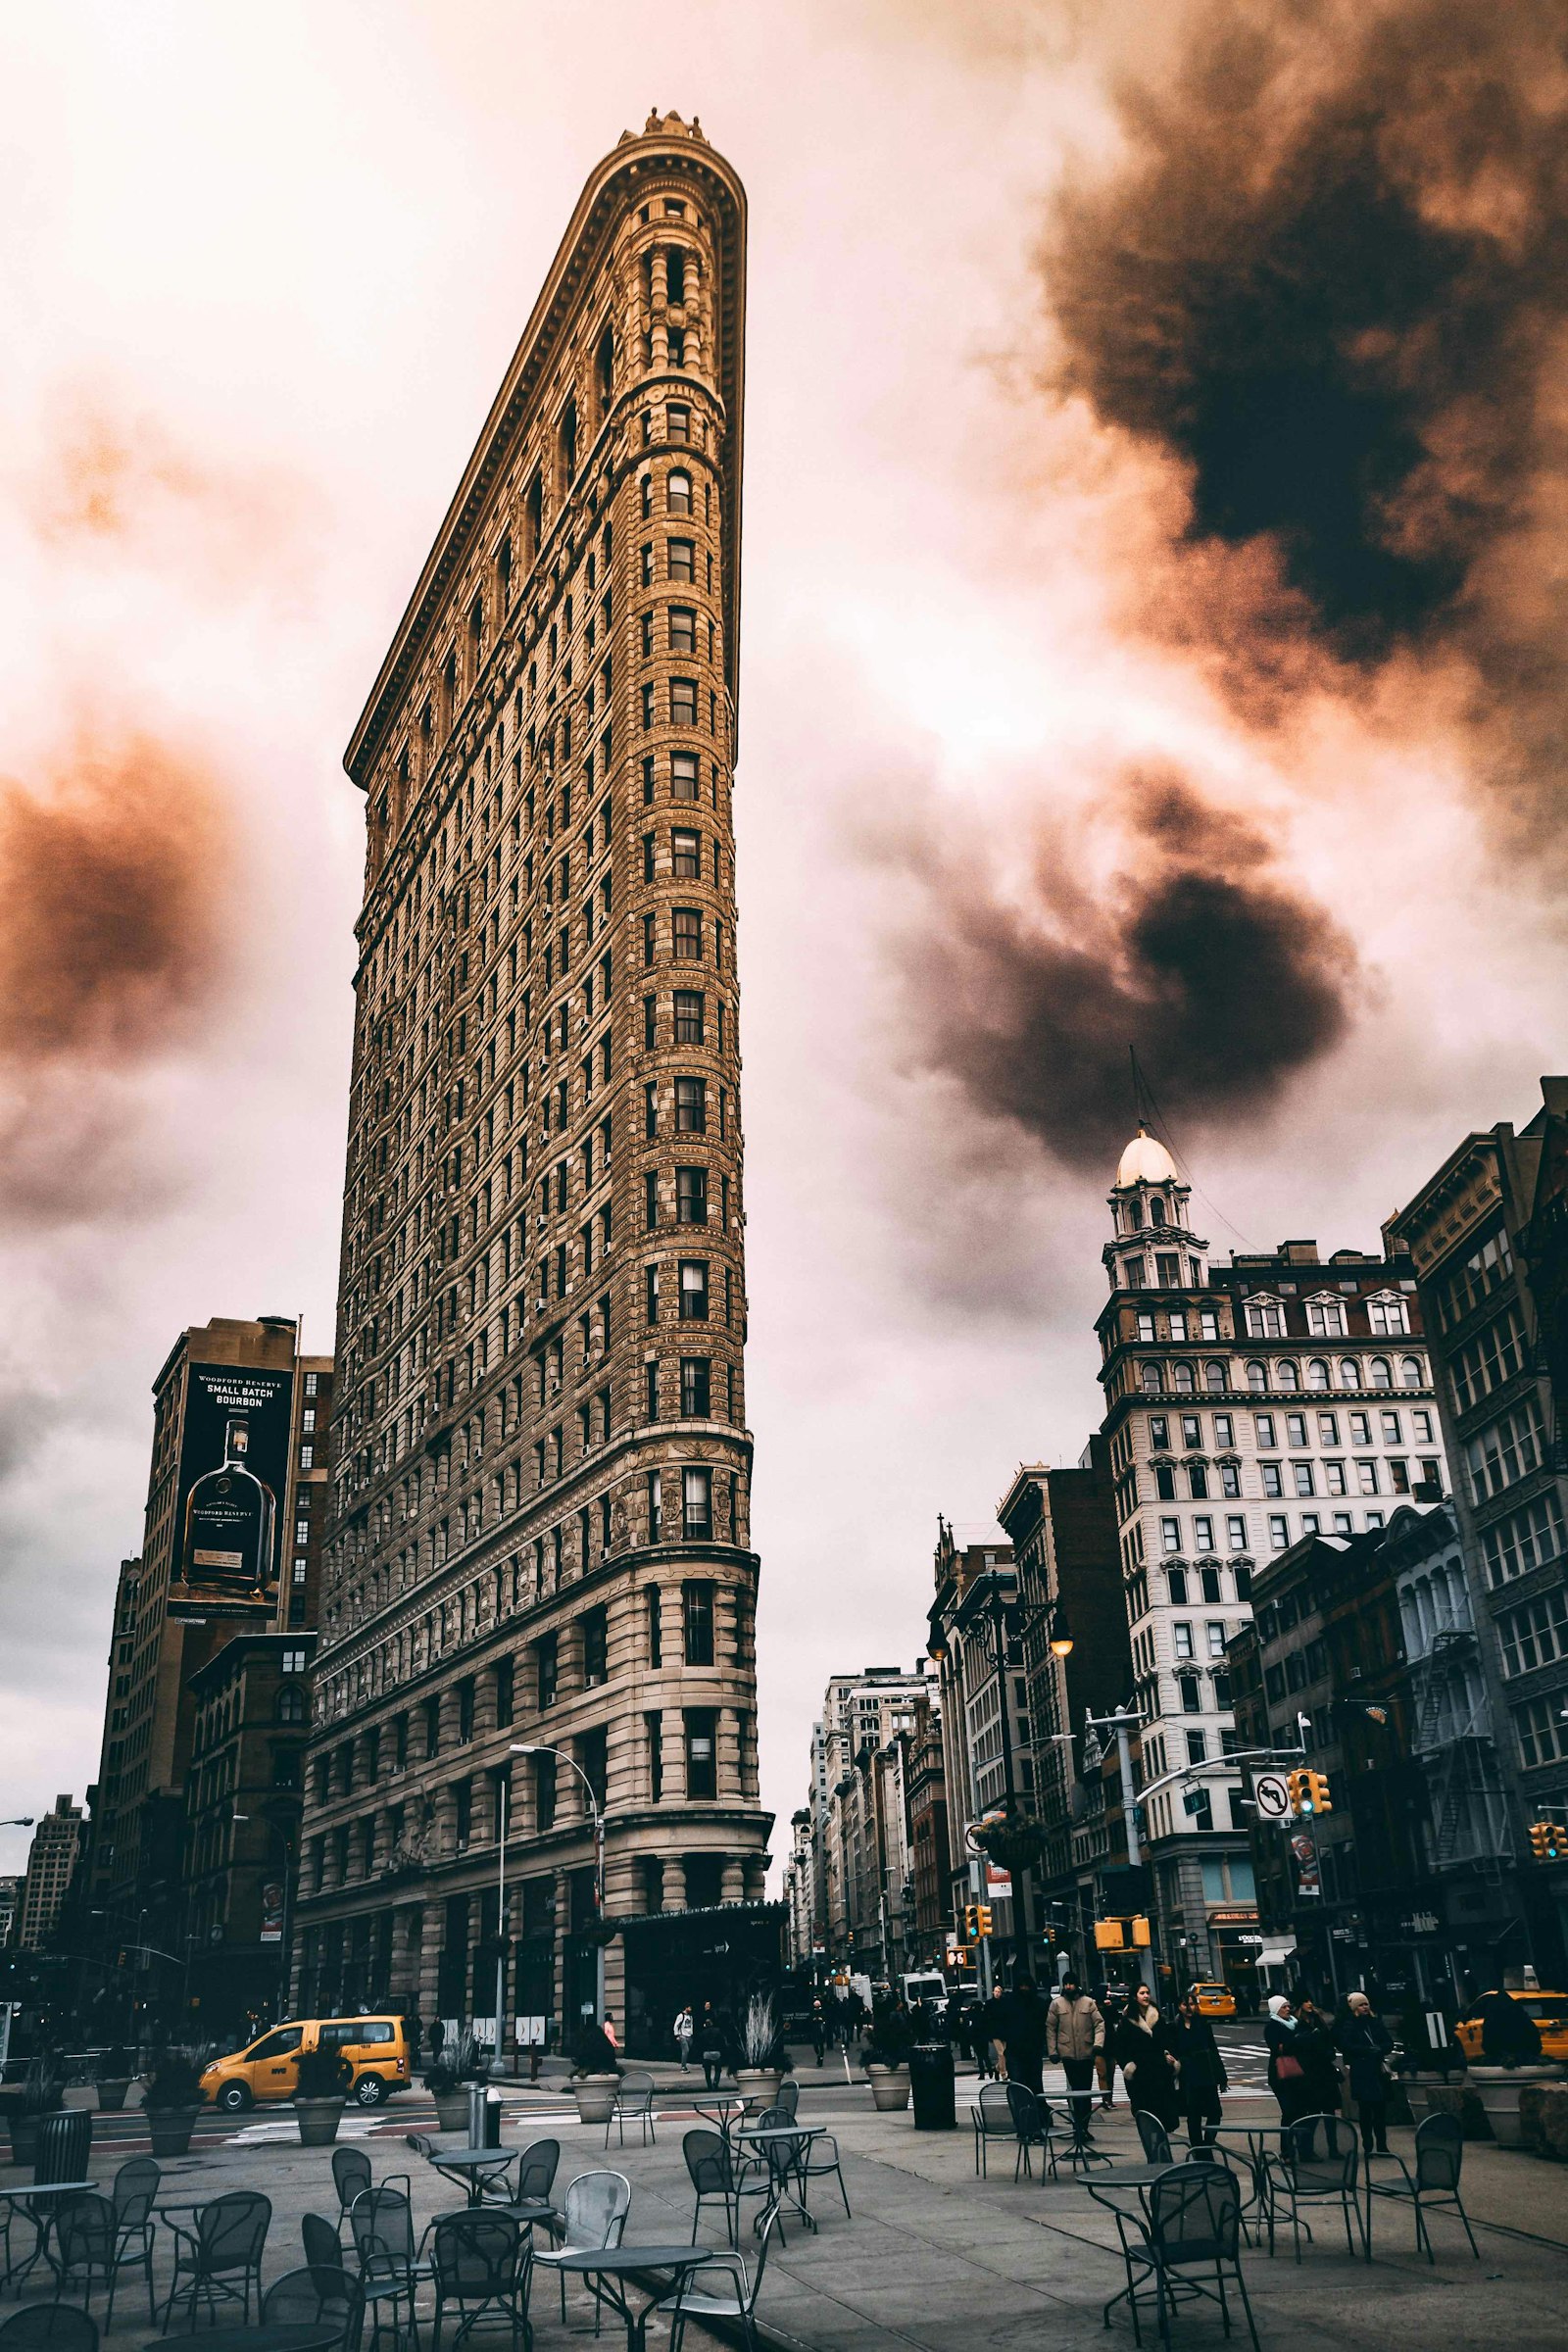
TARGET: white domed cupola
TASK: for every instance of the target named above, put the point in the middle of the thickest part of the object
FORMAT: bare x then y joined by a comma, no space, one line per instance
1155,1246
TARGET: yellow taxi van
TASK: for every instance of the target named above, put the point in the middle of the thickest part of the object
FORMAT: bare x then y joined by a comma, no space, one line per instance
375,2049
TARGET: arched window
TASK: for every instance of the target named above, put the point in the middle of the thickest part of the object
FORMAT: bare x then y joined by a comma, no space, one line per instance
1153,1379
1288,1375
291,1704
1133,1212
1257,1378
1214,1379
1318,1373
678,493
1156,1210
1381,1372
1411,1372
1349,1377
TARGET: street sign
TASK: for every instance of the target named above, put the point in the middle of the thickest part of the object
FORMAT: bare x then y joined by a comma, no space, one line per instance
1272,1794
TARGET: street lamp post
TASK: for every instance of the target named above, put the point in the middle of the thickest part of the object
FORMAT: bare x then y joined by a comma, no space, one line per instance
287,1844
531,1747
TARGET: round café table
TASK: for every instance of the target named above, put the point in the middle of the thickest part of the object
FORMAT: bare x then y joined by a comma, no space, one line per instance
39,2198
764,2138
614,2270
470,2167
266,2335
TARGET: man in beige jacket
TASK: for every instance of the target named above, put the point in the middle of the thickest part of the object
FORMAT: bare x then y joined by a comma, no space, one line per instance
1075,2031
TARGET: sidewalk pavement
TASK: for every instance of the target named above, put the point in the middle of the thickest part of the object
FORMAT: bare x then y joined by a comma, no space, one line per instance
937,2260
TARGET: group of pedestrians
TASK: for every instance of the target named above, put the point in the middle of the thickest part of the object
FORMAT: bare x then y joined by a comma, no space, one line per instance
1305,2048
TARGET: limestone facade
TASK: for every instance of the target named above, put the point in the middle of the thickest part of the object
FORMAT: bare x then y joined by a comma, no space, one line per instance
540,1528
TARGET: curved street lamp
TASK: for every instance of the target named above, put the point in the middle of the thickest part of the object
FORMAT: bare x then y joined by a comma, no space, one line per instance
533,1747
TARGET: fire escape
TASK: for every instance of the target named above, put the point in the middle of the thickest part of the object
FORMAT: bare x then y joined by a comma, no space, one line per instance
1453,1739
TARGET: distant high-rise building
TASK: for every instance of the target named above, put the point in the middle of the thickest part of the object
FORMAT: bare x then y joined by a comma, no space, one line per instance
10,1902
51,1859
1248,1405
540,1528
231,1545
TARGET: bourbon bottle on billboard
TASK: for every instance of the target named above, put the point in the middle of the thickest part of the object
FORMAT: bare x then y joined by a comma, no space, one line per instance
230,1518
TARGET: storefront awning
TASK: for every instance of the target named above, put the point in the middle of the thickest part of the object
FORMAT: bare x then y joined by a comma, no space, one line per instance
1274,1950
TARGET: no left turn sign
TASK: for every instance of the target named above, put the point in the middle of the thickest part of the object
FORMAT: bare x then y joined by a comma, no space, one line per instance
1272,1794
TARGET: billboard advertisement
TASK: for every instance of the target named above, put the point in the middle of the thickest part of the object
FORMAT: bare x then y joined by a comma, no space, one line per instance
233,1483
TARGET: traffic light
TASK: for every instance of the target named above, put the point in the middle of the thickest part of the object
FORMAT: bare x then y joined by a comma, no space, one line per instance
982,1919
1318,1799
1140,1927
971,1917
1548,1841
1300,1785
1108,1937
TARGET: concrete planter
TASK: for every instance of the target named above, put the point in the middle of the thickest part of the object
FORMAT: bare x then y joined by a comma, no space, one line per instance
1543,2118
1418,2090
111,2092
594,2095
758,2085
170,2129
1498,2089
890,2089
451,2110
319,2120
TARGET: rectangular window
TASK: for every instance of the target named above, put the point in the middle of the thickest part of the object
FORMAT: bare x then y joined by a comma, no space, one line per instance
595,1631
544,1792
697,1506
654,1729
1202,1534
505,1673
682,629
1196,1748
656,1507
1182,1636
686,857
1543,1732
682,559
691,1106
656,1631
683,702
1176,1586
651,1390
1170,1535
1236,1534
694,1290
691,1195
696,1620
1269,1472
1505,1452
689,1025
1366,1474
1265,1423
1536,1634
650,1198
1279,1532
686,931
702,1763
546,1667
1525,1540
695,1388
1304,1478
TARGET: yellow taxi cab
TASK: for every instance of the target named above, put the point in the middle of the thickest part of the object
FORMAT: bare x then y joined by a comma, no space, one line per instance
1547,2010
374,2047
1216,2000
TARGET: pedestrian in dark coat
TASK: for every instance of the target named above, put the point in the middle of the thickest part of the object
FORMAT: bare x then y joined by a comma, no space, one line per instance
1316,2051
1365,2041
1287,2070
1202,2071
993,2018
710,2040
1147,2060
1021,2029
1112,2007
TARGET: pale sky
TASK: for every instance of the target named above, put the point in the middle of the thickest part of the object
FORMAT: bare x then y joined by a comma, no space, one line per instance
262,268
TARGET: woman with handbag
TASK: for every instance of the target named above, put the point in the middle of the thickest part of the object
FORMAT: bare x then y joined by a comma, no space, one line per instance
1364,2043
1287,2074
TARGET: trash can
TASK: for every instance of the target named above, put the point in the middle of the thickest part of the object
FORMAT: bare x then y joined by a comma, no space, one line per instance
931,2086
484,2117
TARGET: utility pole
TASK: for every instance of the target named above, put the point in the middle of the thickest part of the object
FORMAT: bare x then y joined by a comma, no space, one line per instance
1122,1723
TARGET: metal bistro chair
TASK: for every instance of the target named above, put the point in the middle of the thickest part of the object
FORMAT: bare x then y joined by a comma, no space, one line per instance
536,2169
820,2161
86,2252
1154,2137
789,2099
992,2118
351,2178
1433,2186
634,2103
1191,2222
1010,2111
323,2292
482,2262
49,2327
391,2257
595,2216
227,2243
1292,2181
131,2193
323,2248
711,2165
740,2304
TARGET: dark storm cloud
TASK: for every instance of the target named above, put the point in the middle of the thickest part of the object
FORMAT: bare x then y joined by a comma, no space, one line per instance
1198,955
1329,279
113,878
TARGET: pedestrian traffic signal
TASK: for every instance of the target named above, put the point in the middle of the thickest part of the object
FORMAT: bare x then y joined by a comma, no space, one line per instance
1140,1927
1548,1841
982,1920
1108,1937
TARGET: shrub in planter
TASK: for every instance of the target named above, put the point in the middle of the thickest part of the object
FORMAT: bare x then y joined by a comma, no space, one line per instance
1497,2091
43,2092
113,2078
320,2091
172,2099
447,2079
